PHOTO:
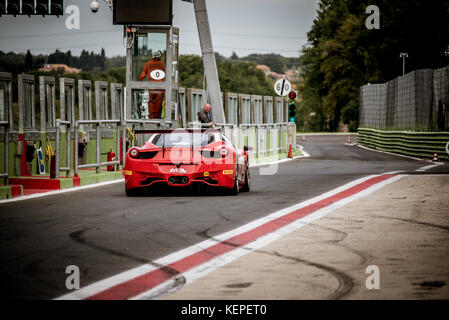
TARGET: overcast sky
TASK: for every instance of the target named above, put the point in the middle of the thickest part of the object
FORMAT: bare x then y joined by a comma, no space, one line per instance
242,26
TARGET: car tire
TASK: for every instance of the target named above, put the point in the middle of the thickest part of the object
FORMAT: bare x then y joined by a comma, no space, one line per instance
246,186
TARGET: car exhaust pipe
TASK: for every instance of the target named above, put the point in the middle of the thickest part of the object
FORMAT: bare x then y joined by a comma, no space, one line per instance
178,180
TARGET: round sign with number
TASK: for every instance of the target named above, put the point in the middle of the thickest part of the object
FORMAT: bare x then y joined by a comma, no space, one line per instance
157,74
282,87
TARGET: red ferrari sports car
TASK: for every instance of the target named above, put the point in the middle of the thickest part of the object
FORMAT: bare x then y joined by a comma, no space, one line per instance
185,157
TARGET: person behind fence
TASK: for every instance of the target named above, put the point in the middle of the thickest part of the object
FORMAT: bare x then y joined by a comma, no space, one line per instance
156,97
205,115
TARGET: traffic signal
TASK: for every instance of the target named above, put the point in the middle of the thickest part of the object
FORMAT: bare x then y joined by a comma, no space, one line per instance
32,7
292,106
42,7
28,7
57,7
13,7
292,95
2,7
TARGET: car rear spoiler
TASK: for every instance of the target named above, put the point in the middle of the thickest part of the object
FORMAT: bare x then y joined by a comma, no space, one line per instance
147,131
190,130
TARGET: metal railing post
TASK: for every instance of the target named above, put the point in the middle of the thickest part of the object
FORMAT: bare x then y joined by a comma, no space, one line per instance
6,182
282,138
257,141
98,129
5,175
123,145
117,145
76,142
58,168
68,149
57,147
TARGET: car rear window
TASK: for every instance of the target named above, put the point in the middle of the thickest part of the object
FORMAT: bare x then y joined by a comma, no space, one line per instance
184,139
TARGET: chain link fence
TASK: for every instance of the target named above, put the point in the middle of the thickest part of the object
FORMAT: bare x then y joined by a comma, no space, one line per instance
417,101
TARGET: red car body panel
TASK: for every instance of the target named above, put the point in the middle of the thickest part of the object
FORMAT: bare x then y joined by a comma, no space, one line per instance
182,166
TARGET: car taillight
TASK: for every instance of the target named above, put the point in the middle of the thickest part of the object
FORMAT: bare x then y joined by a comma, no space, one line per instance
133,153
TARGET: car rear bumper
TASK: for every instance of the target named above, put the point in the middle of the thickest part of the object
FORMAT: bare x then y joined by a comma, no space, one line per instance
224,177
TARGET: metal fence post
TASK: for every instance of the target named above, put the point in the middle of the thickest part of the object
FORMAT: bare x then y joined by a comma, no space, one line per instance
117,144
123,145
6,153
57,147
97,168
76,142
282,137
68,148
257,141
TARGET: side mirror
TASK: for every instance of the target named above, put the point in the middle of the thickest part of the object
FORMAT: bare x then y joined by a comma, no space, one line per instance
248,148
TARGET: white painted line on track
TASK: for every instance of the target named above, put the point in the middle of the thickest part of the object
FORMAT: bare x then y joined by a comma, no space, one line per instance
305,155
425,168
393,172
329,134
274,162
54,192
220,260
391,153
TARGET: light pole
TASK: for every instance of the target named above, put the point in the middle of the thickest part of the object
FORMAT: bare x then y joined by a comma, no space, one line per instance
403,55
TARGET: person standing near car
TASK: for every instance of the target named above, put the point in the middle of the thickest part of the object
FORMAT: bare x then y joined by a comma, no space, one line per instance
205,115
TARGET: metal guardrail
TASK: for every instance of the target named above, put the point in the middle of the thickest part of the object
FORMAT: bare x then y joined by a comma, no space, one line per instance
5,175
210,125
98,164
264,146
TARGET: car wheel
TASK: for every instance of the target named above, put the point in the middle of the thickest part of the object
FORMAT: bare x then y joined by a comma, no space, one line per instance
246,186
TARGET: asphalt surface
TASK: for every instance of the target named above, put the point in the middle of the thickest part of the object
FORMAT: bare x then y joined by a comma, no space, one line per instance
104,232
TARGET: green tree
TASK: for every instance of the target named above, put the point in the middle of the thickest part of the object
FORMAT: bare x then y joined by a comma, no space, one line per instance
238,76
28,61
342,54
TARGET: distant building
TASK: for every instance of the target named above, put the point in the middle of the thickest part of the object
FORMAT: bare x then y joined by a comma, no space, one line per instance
58,66
291,74
266,69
